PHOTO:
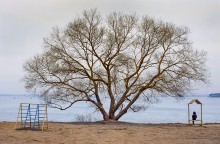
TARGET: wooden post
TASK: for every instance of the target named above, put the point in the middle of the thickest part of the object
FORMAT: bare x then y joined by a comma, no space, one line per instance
47,117
188,115
201,114
19,112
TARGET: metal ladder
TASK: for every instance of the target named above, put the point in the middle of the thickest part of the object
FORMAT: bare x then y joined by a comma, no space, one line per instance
32,116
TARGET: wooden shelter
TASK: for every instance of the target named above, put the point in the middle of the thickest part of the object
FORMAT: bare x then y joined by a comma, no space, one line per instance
191,102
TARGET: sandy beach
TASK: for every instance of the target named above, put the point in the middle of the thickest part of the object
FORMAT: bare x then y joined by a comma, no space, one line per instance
107,133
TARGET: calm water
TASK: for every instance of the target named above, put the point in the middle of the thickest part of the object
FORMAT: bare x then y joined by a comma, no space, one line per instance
168,110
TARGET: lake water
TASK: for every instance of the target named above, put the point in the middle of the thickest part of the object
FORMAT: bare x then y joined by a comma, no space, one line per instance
168,110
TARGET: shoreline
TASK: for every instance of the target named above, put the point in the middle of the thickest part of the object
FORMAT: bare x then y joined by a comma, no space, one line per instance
119,123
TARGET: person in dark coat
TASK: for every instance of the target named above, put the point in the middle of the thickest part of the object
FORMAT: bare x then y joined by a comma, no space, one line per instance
194,116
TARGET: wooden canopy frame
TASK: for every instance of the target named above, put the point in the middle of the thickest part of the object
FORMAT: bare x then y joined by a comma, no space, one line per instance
191,102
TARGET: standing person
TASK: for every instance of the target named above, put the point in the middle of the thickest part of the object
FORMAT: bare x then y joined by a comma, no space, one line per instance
194,116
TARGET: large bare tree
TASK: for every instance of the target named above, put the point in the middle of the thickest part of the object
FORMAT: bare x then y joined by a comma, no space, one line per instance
117,59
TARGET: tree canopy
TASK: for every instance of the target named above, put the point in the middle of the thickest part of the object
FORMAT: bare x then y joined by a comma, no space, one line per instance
120,58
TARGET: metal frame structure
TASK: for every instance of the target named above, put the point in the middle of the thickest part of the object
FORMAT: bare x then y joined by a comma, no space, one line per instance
191,102
32,116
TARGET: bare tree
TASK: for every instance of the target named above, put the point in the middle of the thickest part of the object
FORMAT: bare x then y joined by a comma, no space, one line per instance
120,58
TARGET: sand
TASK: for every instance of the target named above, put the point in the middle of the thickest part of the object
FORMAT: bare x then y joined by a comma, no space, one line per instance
112,133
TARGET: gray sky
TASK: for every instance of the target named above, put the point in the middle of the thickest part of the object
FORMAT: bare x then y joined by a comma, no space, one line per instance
24,24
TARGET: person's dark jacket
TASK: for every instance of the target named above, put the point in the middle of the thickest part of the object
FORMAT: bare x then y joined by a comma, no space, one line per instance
194,116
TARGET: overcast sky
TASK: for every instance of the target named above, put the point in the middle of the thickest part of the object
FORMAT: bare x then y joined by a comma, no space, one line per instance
24,24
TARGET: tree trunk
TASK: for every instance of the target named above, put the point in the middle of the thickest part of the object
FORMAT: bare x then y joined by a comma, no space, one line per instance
120,114
104,114
111,113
